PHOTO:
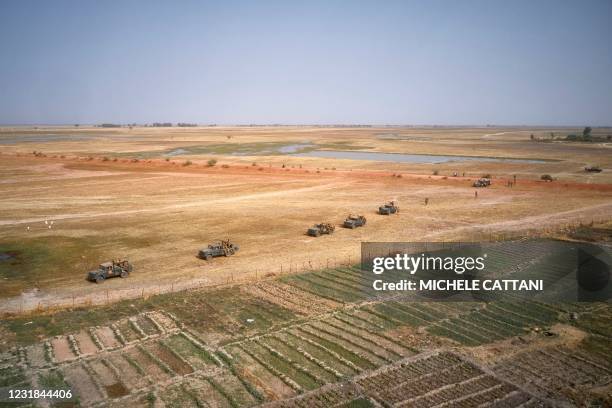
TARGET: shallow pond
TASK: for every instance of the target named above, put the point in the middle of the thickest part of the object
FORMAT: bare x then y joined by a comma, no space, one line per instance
405,158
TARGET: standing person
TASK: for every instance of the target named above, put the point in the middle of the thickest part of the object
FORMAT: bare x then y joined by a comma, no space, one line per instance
426,201
475,194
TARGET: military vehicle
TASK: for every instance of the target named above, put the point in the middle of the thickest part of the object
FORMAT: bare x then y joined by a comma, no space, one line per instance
110,269
389,208
221,248
593,169
354,221
483,182
320,229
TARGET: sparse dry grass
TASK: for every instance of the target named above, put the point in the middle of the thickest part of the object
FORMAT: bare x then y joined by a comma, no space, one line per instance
158,214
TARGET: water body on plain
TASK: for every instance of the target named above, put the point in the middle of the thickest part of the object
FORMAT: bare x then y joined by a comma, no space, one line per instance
406,158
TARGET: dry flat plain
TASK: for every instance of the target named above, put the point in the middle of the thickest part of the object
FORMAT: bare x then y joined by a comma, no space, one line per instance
74,197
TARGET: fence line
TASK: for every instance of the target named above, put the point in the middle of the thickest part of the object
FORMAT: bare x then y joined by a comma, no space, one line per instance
479,234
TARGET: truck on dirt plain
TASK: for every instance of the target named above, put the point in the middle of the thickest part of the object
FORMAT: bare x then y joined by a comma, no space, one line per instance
320,229
354,221
483,182
112,269
388,209
221,248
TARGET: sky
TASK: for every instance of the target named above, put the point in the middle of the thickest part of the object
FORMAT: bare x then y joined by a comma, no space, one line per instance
424,62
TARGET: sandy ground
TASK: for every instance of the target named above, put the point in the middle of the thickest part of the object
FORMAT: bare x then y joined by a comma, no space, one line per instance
158,213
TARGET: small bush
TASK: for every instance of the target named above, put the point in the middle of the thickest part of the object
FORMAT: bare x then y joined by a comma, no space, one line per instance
167,159
225,166
114,159
486,176
151,398
105,158
187,163
436,172
211,162
546,177
253,164
135,160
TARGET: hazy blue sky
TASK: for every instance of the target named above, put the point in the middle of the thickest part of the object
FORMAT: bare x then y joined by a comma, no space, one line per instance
396,62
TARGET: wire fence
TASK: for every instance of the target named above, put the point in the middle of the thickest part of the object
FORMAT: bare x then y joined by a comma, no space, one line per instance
475,234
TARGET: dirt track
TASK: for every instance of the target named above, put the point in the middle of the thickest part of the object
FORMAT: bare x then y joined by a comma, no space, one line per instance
158,213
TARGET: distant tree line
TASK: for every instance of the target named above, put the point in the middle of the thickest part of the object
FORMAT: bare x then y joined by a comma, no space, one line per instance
586,136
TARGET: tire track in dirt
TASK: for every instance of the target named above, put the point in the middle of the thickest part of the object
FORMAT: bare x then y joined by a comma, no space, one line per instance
542,220
199,203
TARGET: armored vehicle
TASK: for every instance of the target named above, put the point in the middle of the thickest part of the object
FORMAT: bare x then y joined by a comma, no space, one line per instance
221,248
354,221
389,208
110,269
483,182
593,169
320,229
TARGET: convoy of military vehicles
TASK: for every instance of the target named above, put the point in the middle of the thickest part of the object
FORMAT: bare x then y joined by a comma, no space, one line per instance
122,268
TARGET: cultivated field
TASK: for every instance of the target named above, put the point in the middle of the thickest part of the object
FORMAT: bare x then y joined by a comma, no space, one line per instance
288,320
249,344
